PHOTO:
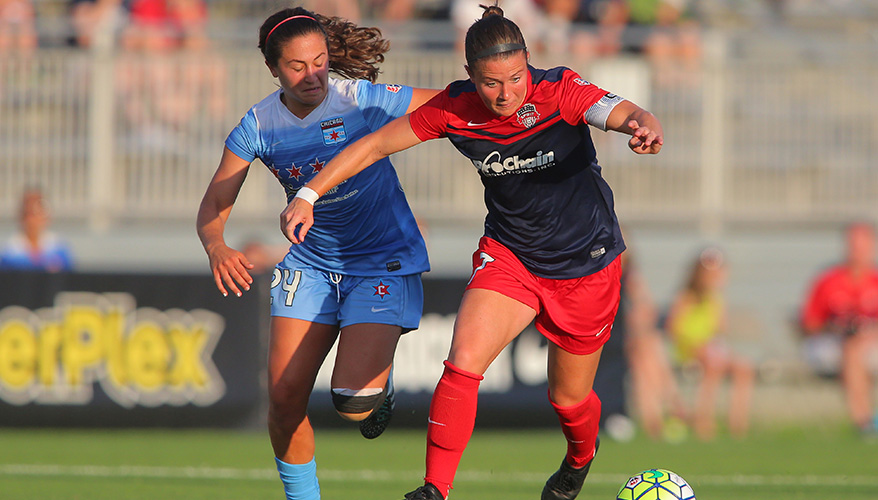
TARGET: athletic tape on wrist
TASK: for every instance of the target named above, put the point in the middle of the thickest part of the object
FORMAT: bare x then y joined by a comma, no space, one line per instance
308,194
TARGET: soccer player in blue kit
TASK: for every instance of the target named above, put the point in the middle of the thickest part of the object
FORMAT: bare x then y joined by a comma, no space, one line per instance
357,279
552,240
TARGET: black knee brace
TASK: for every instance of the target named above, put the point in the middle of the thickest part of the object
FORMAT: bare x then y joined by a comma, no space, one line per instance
358,404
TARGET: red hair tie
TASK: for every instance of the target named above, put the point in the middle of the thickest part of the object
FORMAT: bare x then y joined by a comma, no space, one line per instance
285,20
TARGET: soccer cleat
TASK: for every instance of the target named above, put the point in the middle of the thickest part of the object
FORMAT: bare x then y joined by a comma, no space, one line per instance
425,492
567,481
372,426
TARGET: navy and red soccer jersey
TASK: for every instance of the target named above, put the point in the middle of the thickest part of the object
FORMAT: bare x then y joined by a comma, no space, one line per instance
546,198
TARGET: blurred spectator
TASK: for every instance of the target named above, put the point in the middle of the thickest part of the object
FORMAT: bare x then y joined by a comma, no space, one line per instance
840,321
396,11
262,255
636,350
18,33
93,18
673,40
608,18
34,248
346,9
530,18
696,321
660,407
170,72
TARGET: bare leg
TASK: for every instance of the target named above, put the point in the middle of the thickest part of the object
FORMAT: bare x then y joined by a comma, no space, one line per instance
714,368
297,349
365,354
856,378
742,390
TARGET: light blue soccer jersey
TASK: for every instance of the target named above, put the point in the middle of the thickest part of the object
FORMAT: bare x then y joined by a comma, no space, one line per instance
363,226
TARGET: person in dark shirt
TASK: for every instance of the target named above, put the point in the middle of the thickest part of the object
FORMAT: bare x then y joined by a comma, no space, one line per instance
552,241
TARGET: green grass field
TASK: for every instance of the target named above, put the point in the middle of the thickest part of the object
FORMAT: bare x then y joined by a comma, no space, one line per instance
498,465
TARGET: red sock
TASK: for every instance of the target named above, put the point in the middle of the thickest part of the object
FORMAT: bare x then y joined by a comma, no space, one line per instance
579,423
452,418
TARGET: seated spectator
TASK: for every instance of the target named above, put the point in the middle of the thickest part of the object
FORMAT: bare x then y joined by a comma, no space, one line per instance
345,9
34,248
672,42
529,17
606,21
696,322
170,72
91,18
656,395
394,11
840,323
637,349
262,255
18,33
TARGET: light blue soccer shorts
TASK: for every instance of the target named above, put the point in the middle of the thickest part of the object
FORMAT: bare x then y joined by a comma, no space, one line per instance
335,299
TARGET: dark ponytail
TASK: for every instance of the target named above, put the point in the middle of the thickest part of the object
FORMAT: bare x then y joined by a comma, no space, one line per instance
354,52
492,35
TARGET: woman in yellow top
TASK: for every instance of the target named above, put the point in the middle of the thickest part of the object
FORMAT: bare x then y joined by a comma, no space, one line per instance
696,323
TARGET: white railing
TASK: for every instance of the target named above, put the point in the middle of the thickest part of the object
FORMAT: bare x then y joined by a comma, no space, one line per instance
114,137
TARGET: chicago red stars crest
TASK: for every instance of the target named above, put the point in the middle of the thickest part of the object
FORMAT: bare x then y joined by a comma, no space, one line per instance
381,289
333,131
528,115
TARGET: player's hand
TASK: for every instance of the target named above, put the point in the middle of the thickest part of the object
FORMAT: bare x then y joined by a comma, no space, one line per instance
230,269
298,212
644,140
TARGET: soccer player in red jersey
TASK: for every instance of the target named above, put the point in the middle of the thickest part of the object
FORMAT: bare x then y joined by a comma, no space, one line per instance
841,315
552,241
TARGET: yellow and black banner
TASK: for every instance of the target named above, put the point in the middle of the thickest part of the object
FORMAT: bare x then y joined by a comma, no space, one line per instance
128,350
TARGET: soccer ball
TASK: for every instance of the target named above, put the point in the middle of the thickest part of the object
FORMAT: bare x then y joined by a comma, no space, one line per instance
656,484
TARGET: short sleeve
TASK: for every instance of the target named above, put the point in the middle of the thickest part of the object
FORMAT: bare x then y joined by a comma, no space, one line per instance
382,103
431,119
243,140
815,312
585,102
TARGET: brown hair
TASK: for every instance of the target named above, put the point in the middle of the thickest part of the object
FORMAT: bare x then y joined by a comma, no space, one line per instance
709,259
488,36
354,52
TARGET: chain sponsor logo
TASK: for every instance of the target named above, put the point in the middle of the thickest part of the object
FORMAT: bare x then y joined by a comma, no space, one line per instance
494,165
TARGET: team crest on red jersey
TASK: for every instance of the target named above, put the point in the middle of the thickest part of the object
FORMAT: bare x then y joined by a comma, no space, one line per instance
528,115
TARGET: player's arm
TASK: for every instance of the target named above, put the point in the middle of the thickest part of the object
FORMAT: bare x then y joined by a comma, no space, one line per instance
391,138
419,97
644,128
229,266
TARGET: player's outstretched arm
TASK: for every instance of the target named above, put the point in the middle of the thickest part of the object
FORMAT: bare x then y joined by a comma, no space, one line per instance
229,266
644,128
391,138
419,97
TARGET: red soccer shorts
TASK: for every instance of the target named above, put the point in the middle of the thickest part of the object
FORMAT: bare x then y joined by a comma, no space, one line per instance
576,314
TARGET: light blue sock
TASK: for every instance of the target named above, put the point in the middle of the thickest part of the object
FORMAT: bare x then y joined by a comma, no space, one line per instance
300,480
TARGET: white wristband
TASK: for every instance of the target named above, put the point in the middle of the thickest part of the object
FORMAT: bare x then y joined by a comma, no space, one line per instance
307,194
